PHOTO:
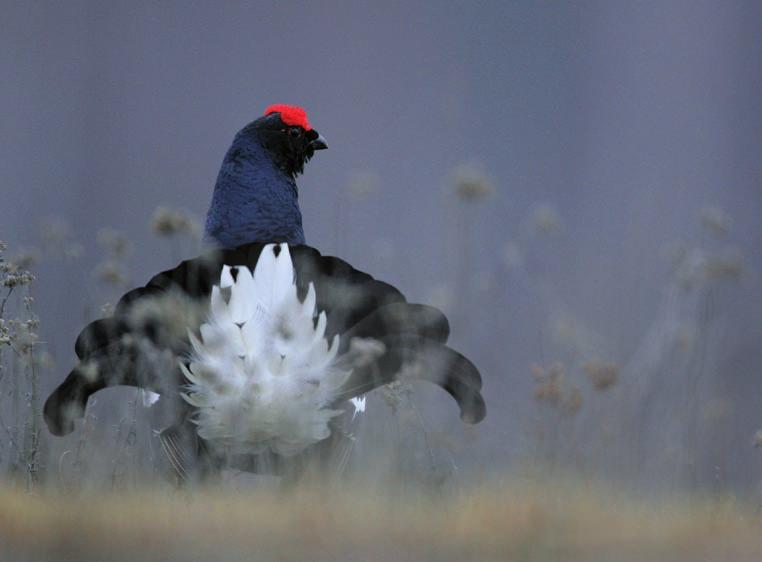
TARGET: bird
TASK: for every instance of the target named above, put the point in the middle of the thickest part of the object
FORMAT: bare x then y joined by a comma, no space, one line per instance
259,342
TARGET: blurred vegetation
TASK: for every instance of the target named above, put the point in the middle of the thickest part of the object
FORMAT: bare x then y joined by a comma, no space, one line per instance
511,520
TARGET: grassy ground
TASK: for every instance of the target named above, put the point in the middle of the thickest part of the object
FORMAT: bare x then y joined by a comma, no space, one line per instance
503,522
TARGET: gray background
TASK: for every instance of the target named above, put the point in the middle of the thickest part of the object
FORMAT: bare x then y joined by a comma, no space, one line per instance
627,118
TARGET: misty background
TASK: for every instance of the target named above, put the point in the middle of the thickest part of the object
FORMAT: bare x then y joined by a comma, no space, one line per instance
615,149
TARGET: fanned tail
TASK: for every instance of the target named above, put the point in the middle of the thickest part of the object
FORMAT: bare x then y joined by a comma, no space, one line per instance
263,376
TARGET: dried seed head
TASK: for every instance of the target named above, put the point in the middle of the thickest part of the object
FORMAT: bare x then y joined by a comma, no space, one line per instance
538,373
112,273
551,389
72,251
45,361
603,375
392,394
55,230
114,242
174,312
550,381
172,222
545,219
728,265
24,337
716,221
5,332
471,183
17,279
25,259
58,239
697,267
572,402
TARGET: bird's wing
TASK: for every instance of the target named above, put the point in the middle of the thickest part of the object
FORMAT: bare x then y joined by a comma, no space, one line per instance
414,358
155,319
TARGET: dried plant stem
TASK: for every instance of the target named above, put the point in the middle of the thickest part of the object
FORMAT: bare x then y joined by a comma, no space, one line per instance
11,439
5,300
462,281
694,386
15,400
33,426
419,418
87,429
125,442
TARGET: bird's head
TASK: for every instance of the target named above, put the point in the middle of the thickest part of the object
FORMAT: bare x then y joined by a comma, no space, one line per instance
288,137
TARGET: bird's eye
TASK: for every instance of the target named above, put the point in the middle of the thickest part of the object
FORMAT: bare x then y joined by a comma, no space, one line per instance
295,132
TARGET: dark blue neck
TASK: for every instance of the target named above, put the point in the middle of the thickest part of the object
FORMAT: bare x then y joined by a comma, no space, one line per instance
253,200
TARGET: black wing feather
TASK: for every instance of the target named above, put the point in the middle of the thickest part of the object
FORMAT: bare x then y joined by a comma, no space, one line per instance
356,304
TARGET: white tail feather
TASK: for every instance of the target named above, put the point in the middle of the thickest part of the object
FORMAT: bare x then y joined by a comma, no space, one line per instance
263,375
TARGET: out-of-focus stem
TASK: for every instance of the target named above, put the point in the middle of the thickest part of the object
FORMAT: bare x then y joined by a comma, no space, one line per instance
33,452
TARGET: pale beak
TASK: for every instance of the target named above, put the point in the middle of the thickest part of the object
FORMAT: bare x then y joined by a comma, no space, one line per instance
319,143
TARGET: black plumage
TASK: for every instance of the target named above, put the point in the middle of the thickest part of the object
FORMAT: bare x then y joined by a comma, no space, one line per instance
140,350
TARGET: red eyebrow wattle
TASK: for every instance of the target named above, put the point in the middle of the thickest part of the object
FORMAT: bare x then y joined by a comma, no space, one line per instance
291,115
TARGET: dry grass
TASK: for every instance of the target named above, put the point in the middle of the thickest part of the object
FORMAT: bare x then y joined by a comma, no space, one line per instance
500,523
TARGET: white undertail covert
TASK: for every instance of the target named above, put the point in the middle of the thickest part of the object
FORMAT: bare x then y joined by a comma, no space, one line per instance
262,374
